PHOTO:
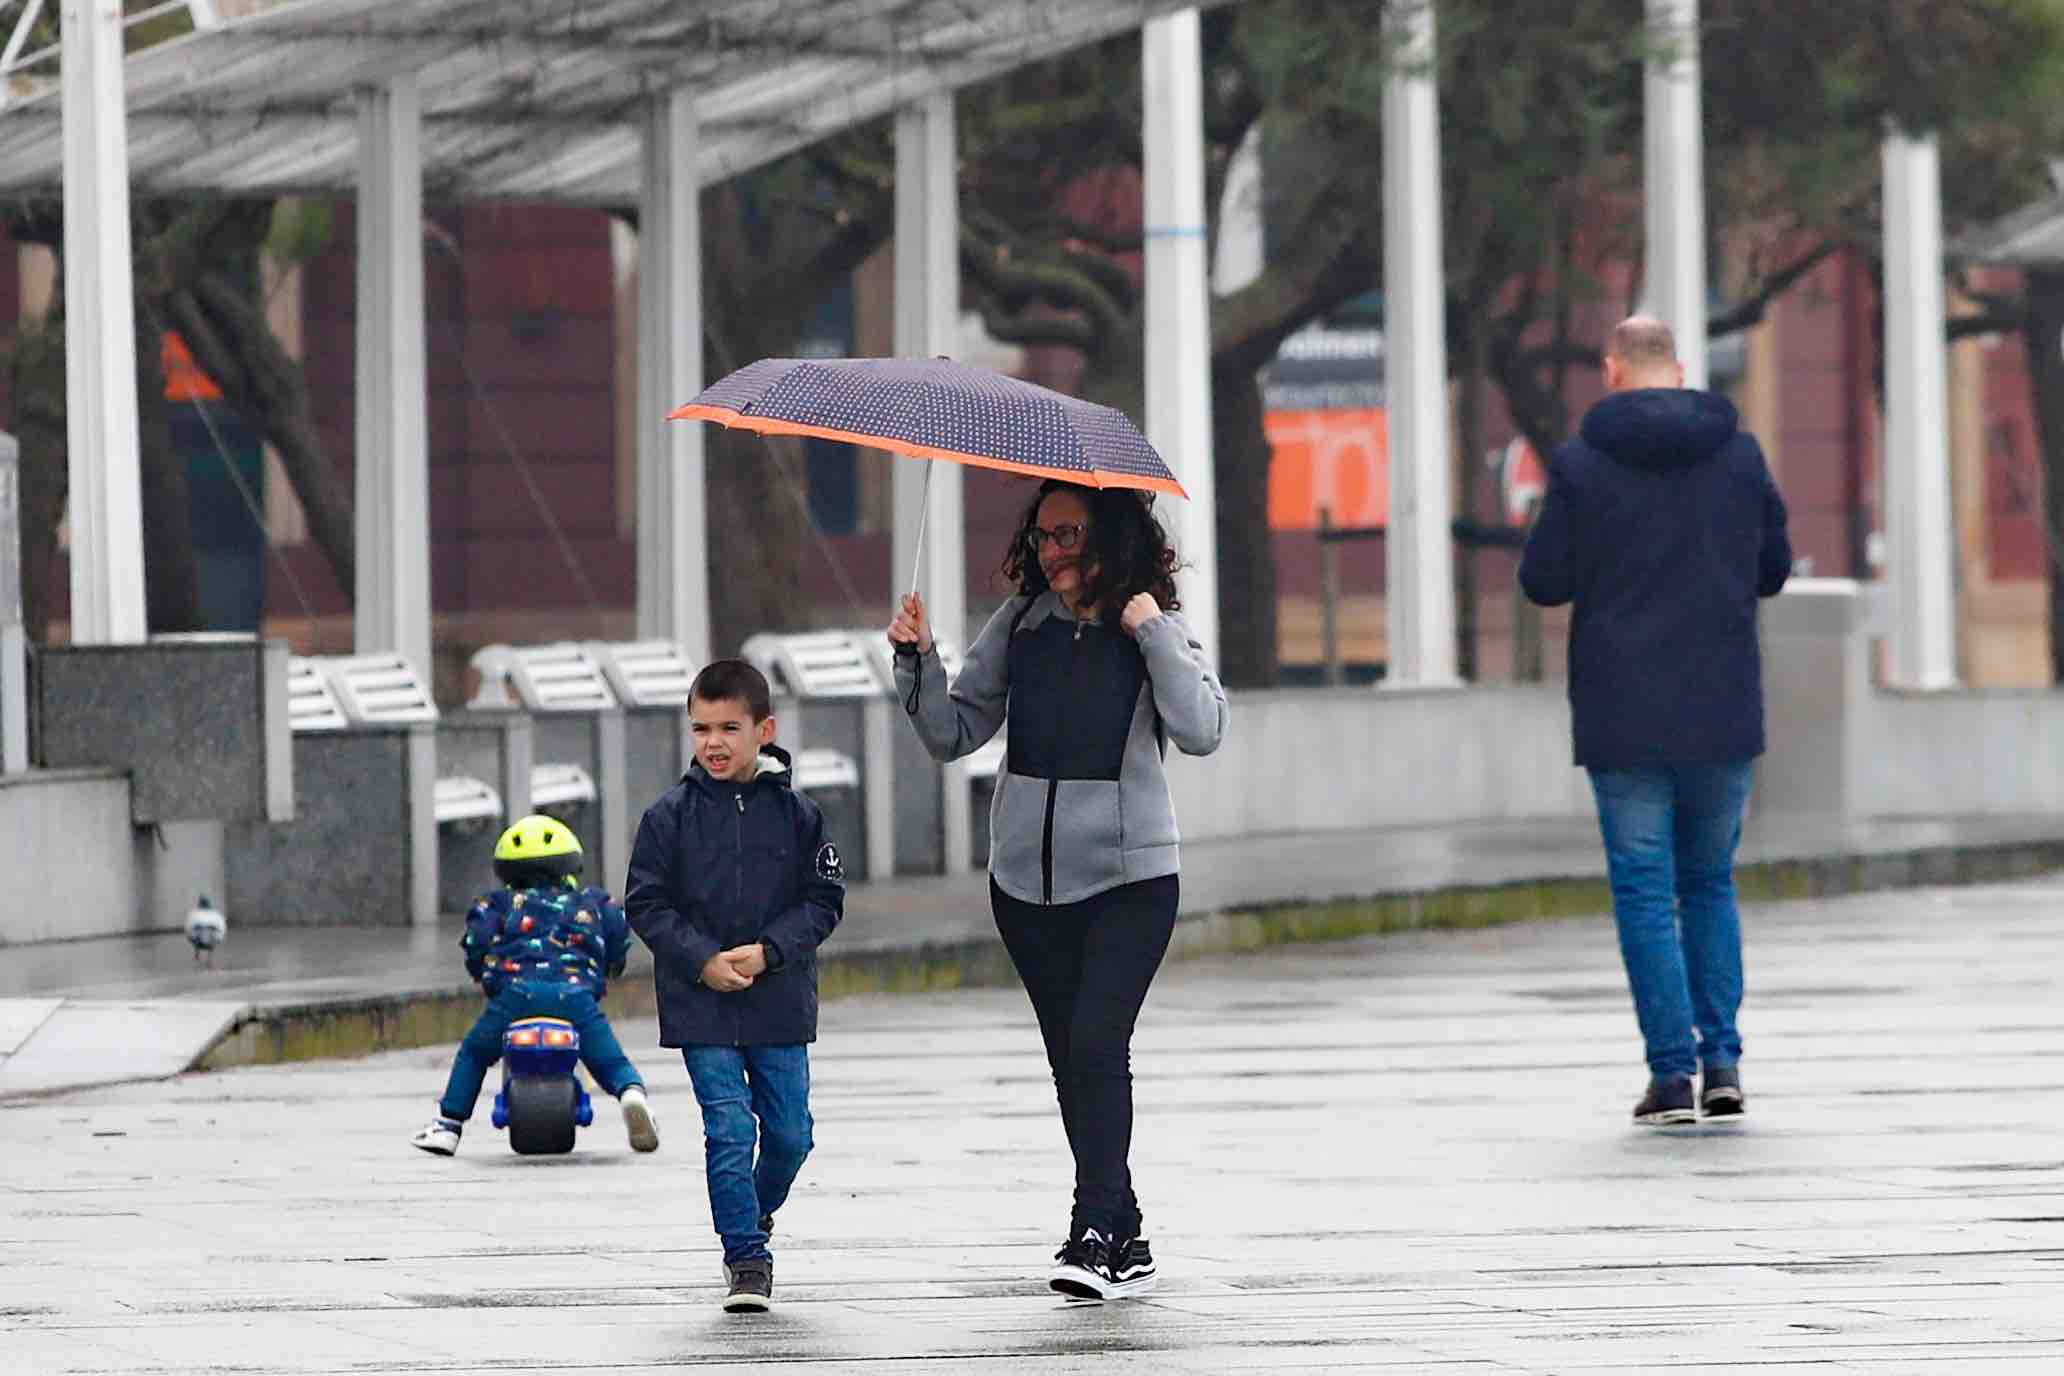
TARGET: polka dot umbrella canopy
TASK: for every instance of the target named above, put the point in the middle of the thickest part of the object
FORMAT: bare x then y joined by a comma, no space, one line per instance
938,409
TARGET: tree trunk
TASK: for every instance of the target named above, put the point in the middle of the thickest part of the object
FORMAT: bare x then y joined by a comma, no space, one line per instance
1468,465
2044,335
758,526
38,388
223,323
1247,649
171,576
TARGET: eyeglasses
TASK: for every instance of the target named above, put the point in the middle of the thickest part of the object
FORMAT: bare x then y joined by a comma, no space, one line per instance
1064,537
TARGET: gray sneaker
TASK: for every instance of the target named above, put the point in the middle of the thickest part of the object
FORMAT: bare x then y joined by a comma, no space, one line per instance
1668,1102
751,1286
1720,1092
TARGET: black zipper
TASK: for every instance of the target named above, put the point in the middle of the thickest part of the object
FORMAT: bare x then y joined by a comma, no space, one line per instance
737,1005
1053,787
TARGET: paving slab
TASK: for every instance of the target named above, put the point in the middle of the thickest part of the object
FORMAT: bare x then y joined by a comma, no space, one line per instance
92,1041
20,1017
1397,1154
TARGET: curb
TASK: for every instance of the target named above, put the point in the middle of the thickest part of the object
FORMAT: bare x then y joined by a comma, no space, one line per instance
319,1031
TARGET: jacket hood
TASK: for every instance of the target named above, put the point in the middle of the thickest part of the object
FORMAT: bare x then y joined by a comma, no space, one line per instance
1661,427
777,767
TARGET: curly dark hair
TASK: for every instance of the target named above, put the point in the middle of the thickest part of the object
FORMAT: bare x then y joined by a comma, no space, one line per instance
1127,551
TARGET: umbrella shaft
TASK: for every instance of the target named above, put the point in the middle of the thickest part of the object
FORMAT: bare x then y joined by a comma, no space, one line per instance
924,513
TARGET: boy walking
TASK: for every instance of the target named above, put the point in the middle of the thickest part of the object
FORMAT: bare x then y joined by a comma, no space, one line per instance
733,885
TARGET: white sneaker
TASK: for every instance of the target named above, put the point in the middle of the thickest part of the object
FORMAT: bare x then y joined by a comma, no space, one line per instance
440,1138
637,1120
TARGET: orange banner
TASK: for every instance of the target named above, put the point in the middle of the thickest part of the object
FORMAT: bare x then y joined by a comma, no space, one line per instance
1335,459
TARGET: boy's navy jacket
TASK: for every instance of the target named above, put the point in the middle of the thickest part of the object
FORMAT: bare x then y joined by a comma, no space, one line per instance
562,937
718,865
1663,526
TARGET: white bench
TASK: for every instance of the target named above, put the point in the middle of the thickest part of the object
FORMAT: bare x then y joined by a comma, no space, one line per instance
559,677
814,664
334,692
377,689
823,769
311,706
552,785
644,673
987,762
457,798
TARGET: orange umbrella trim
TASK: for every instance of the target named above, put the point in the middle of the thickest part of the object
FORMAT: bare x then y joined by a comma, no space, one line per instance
724,415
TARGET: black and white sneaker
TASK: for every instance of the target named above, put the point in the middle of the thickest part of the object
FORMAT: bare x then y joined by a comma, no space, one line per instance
1082,1268
1720,1092
1131,1269
1667,1102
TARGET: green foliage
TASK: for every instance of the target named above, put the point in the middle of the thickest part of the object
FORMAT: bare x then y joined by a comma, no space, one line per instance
1798,99
301,230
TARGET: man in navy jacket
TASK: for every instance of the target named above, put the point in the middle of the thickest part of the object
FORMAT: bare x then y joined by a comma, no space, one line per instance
1662,527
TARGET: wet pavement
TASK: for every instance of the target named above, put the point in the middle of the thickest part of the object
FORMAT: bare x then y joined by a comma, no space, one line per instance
1399,1154
139,1007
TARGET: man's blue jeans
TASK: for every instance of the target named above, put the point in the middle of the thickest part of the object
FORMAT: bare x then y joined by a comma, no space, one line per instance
751,1096
600,1051
1670,835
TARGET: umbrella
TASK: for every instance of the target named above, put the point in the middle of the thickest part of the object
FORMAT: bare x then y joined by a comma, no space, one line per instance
938,409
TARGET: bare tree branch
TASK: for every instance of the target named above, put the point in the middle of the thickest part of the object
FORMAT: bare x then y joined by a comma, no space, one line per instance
1013,286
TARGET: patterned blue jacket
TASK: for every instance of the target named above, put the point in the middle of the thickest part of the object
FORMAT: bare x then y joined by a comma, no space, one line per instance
564,936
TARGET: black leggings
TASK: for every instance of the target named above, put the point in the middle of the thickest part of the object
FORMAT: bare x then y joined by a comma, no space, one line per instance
1087,966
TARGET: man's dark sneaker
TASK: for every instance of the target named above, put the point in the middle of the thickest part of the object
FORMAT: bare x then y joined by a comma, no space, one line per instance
1721,1094
1668,1101
1082,1268
1131,1269
767,1224
751,1286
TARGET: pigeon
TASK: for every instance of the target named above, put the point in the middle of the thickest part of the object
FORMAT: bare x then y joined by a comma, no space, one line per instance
205,928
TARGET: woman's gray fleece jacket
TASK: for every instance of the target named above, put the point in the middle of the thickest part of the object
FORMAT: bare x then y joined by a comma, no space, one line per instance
1082,802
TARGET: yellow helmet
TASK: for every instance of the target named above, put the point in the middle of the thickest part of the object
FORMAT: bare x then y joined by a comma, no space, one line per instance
535,851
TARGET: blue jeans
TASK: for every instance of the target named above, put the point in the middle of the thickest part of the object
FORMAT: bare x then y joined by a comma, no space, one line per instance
751,1096
600,1051
1670,835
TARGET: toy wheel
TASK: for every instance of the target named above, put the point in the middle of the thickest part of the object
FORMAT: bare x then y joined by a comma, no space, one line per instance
541,1114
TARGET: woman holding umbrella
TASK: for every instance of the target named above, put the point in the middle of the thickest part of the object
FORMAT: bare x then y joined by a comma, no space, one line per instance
1098,674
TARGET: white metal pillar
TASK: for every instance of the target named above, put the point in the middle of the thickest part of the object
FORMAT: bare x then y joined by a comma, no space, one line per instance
673,566
1920,540
14,641
1178,291
1419,557
393,458
1674,169
928,326
106,499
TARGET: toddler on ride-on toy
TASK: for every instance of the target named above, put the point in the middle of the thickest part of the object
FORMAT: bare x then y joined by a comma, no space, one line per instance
542,947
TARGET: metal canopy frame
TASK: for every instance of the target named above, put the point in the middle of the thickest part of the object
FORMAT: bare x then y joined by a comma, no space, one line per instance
533,100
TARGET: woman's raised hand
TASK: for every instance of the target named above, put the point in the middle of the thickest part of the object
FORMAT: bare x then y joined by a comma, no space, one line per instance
1138,612
911,626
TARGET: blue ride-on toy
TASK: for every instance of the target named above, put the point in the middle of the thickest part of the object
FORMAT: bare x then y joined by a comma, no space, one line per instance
541,1100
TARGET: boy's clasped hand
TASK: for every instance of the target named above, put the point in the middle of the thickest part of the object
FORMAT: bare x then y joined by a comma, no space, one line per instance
727,972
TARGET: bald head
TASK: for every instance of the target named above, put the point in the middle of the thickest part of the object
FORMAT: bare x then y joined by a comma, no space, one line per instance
1641,352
